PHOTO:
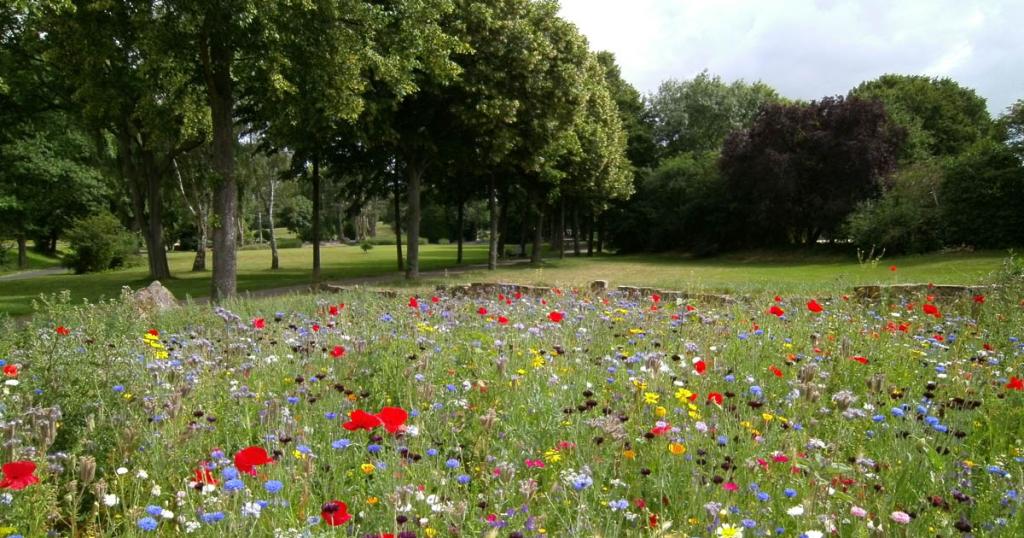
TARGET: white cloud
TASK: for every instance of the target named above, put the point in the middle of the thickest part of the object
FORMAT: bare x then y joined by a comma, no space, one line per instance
811,48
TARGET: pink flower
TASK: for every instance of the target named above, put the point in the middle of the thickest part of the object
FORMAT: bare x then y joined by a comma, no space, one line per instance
730,486
900,517
857,511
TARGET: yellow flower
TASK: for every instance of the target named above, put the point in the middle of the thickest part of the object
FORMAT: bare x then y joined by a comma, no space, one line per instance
298,455
767,417
683,395
552,455
677,449
651,398
373,500
430,532
367,468
636,331
629,454
729,531
538,362
660,411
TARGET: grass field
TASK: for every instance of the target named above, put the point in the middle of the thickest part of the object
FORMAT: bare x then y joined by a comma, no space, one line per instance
253,273
744,273
563,415
35,261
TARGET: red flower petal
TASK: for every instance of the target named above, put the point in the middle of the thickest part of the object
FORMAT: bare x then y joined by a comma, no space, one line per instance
776,311
335,513
18,475
813,306
248,458
338,352
393,418
361,420
556,317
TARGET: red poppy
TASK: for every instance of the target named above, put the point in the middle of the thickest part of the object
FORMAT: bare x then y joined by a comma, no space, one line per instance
435,299
858,358
335,513
333,310
778,299
203,475
519,295
776,311
413,303
931,310
892,268
690,308
63,331
247,459
482,311
776,371
661,430
316,327
338,352
980,299
556,317
1015,383
656,298
502,320
715,398
259,323
652,520
18,475
501,296
361,420
392,418
813,306
11,370
700,366
153,332
987,347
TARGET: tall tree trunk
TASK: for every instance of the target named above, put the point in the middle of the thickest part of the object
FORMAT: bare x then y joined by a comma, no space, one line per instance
590,235
398,226
538,236
524,232
316,222
560,232
492,242
199,262
259,227
275,262
461,225
600,233
575,231
414,173
503,221
22,252
216,56
155,251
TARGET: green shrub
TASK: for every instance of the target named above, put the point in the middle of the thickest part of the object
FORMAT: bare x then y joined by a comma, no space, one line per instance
906,218
98,243
982,196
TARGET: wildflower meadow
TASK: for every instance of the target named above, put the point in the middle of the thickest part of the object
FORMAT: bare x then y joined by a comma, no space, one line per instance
557,414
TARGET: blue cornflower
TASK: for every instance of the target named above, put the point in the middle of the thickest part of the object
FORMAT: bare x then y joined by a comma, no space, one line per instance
431,451
118,388
722,440
341,444
304,449
748,523
147,524
763,497
293,400
878,418
897,412
330,415
451,463
234,485
229,473
154,510
212,517
463,479
789,492
621,504
273,486
374,448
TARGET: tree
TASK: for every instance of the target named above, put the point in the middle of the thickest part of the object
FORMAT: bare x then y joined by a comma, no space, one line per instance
799,170
941,117
982,196
635,116
1011,128
907,217
114,70
697,114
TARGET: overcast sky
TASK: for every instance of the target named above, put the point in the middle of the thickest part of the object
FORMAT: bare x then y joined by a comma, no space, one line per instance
810,48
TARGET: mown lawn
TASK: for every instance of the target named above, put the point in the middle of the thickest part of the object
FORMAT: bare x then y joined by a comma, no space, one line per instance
753,272
339,262
738,273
